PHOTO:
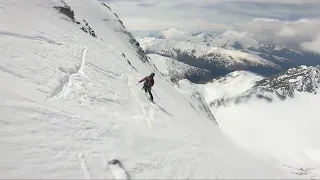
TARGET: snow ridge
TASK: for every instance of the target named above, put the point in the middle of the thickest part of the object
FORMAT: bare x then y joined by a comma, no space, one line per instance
196,99
284,85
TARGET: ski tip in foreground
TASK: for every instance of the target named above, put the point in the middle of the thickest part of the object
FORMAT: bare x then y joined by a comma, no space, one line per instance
117,169
115,162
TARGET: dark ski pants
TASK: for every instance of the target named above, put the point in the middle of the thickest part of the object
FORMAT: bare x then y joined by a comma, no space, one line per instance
148,89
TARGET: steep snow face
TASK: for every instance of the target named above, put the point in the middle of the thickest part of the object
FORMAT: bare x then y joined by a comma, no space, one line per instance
70,106
196,99
175,70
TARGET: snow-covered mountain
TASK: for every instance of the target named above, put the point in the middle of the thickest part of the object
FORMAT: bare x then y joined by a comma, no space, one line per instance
175,70
217,59
253,111
301,79
229,87
211,51
245,86
70,106
277,116
285,57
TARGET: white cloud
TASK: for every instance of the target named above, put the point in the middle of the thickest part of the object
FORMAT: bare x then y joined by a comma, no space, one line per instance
216,14
241,37
293,34
313,45
292,23
287,32
208,1
174,34
264,20
156,23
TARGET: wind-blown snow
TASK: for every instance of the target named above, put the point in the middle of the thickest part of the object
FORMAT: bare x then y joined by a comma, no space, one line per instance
70,106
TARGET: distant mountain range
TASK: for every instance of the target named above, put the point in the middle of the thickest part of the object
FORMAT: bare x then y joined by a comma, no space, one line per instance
210,52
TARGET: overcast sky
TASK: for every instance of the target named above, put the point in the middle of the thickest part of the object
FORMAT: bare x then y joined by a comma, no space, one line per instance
293,22
217,14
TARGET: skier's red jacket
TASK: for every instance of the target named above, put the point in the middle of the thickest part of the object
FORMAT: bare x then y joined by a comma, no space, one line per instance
149,81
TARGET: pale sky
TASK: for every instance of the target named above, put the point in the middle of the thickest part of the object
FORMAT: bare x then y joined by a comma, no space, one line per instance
216,14
289,22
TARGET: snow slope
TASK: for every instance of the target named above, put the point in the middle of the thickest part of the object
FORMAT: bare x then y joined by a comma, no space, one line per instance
70,106
196,99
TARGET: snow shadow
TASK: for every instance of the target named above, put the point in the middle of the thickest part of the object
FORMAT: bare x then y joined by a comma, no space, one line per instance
163,110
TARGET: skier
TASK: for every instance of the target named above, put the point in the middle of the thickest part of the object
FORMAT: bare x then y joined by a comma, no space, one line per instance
149,81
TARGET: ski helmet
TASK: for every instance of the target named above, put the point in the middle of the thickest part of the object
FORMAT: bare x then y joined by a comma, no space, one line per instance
152,74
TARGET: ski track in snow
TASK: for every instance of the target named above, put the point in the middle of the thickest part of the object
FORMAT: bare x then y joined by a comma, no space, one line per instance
84,166
135,98
150,107
151,113
34,38
143,106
